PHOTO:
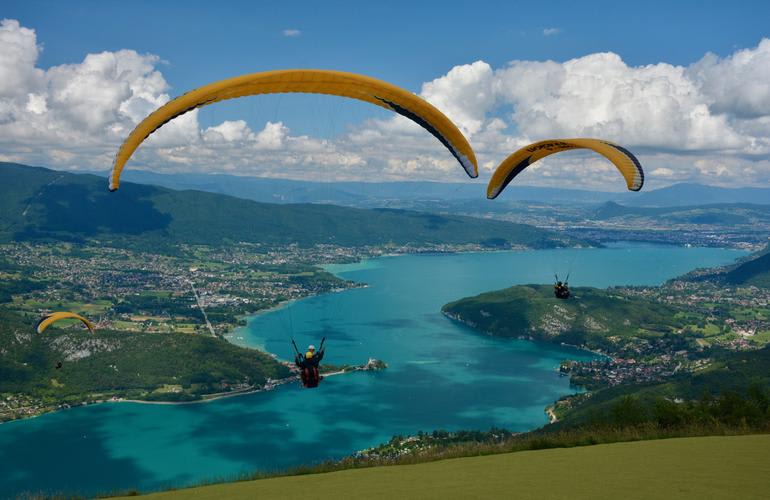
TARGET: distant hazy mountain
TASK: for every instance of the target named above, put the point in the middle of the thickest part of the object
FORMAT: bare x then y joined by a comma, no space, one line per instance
698,194
381,194
38,203
716,214
358,194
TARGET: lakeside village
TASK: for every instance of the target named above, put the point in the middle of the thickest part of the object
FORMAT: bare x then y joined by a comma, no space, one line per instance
199,289
206,290
716,227
719,316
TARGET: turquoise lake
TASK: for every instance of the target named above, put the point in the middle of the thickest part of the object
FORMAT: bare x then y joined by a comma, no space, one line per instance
441,375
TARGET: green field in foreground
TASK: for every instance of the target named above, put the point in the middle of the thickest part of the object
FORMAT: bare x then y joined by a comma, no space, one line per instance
706,467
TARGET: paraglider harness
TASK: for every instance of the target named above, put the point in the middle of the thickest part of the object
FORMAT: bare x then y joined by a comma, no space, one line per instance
308,364
561,290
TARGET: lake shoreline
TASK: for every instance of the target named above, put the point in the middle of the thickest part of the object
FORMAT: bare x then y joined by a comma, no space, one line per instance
470,379
208,398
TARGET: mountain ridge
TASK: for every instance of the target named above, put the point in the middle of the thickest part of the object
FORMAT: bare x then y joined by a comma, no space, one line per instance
355,193
39,203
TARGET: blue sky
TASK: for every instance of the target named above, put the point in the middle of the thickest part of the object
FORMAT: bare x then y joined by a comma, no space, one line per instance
406,43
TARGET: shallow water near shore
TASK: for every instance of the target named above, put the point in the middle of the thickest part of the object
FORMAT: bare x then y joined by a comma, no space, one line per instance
441,375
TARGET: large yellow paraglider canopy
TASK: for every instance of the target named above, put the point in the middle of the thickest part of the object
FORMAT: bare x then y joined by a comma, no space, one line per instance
512,166
52,318
305,81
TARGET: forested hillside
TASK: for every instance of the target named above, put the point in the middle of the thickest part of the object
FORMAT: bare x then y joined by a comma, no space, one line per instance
42,204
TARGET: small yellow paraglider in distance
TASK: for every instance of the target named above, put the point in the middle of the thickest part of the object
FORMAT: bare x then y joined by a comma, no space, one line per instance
512,166
313,81
53,317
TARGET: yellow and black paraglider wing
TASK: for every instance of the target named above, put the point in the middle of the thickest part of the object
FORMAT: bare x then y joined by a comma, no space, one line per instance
52,318
512,166
311,81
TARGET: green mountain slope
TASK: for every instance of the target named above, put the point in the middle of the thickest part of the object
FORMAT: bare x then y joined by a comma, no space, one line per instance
590,318
659,372
706,467
133,365
38,203
753,272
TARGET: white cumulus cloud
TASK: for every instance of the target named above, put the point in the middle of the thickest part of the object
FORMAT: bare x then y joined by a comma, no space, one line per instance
737,85
706,122
465,94
228,131
600,96
18,55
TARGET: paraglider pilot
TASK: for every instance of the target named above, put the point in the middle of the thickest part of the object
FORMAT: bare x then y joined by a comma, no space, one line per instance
561,290
308,364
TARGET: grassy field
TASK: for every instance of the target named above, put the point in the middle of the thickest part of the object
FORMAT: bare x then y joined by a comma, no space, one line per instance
707,467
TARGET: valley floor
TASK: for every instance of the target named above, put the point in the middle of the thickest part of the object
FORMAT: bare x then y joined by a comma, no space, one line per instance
704,467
